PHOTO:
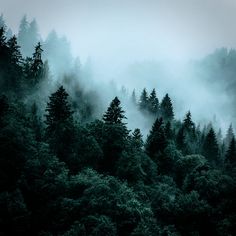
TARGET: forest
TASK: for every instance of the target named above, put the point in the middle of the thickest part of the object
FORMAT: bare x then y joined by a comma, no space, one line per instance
67,169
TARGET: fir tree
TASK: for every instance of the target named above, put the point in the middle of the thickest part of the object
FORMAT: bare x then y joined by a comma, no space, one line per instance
230,157
137,141
181,140
14,51
36,66
58,110
143,103
166,108
188,123
114,113
229,136
156,140
210,147
168,130
153,103
60,130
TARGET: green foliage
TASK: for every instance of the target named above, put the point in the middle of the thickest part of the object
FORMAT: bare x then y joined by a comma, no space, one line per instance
68,174
210,147
114,114
166,108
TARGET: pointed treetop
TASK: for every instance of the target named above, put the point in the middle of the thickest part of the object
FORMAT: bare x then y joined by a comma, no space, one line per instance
166,108
143,100
153,103
114,113
230,157
188,123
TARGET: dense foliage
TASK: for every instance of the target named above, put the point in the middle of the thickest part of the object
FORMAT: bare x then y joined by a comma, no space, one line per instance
60,175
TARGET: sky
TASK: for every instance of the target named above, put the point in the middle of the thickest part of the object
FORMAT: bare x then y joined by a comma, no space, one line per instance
129,30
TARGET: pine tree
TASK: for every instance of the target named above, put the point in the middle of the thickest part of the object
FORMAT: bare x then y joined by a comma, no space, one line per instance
229,136
166,108
14,67
230,157
114,135
156,140
210,147
168,130
58,110
36,67
137,141
188,123
181,140
143,103
14,51
60,130
153,103
114,113
2,39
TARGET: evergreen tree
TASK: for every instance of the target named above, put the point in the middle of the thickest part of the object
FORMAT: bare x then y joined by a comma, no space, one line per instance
14,51
153,103
188,123
34,67
60,131
230,157
166,108
143,103
137,141
229,136
114,113
168,131
210,147
14,69
156,140
181,140
58,110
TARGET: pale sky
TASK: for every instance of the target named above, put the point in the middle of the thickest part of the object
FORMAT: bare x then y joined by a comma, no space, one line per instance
126,30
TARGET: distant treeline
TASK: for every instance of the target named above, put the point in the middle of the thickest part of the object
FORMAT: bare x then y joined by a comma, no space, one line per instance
62,172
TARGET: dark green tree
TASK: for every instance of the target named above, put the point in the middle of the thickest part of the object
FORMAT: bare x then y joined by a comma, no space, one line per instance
114,113
59,125
188,123
143,102
210,148
156,140
230,157
37,63
229,136
153,103
166,108
181,140
58,110
137,139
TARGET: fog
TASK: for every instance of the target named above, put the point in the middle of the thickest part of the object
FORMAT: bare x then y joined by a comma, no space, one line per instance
137,44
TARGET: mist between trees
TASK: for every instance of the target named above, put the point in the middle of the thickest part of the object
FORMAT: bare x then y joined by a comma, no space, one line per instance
75,162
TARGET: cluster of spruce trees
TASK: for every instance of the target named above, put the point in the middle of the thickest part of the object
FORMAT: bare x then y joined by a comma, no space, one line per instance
61,176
